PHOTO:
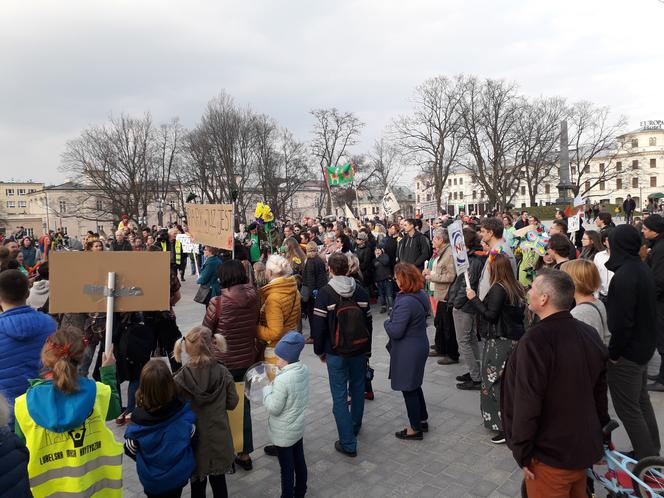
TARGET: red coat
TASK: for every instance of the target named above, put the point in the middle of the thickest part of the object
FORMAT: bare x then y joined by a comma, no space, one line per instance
234,314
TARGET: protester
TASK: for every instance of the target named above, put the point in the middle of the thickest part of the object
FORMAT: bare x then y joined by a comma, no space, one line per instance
522,221
14,456
159,439
491,232
604,221
587,309
464,313
209,387
286,401
346,371
63,403
600,260
592,244
382,272
554,394
653,230
29,252
209,273
413,248
259,274
408,346
629,206
632,320
295,256
440,275
503,309
234,315
314,278
365,255
39,292
23,332
120,243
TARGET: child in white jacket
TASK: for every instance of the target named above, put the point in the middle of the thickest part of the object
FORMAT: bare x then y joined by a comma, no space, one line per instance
286,401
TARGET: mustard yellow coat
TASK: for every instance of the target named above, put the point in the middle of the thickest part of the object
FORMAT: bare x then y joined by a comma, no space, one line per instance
280,310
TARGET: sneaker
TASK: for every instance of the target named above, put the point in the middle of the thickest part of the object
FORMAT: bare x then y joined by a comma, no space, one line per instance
245,464
463,378
446,360
498,438
418,436
435,353
344,451
655,387
470,385
270,450
653,377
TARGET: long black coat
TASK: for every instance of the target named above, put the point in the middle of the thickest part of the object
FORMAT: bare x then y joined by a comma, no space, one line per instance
656,263
14,458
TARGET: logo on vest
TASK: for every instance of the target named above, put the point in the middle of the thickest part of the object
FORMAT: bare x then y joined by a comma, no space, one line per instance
78,436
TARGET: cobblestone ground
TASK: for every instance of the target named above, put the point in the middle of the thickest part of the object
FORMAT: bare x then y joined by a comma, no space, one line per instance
456,458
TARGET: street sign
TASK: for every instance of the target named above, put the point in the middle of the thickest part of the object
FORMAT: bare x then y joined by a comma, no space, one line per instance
429,210
458,245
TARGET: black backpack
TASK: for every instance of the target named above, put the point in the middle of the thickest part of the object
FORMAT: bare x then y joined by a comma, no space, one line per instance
349,335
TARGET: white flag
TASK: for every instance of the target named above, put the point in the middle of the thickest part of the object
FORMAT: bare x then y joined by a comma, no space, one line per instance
352,221
390,204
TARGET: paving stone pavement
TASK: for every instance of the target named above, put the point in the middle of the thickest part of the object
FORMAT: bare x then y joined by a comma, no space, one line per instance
456,458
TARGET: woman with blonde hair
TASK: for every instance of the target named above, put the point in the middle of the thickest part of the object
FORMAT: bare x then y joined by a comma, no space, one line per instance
587,282
209,387
64,414
295,255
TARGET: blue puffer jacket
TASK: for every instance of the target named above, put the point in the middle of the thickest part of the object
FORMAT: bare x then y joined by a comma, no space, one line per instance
23,332
286,401
14,458
160,442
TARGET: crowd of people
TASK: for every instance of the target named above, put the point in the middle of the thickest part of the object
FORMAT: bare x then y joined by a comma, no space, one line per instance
559,327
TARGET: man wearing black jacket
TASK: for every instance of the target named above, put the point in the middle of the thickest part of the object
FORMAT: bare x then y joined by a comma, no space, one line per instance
554,401
653,231
631,316
413,247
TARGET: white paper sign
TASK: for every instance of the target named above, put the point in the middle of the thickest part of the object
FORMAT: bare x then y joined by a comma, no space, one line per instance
429,210
187,245
573,223
458,245
390,204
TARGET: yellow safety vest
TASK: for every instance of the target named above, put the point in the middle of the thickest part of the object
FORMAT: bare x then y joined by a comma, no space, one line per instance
178,251
83,462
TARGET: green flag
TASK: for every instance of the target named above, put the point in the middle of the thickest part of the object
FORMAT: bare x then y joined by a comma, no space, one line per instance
340,175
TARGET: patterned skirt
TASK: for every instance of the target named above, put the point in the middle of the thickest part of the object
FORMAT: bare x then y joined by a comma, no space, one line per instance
496,353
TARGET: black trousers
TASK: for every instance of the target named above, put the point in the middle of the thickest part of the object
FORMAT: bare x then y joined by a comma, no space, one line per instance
445,339
174,493
416,408
293,470
217,483
627,384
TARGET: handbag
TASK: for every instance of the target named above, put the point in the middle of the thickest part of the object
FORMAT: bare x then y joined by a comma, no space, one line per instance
305,293
203,295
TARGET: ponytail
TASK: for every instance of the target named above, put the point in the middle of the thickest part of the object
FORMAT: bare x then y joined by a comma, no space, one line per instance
62,355
65,375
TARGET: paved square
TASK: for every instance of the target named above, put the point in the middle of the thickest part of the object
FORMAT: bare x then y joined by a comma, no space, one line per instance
456,458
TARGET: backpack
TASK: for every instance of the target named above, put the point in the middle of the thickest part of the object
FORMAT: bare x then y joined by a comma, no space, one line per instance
349,335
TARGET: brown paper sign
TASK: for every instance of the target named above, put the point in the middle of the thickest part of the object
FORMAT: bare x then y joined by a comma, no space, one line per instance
78,281
211,224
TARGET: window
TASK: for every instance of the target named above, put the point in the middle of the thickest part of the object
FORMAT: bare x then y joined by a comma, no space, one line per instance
474,194
30,232
587,186
100,206
22,204
653,181
619,200
547,188
30,191
481,194
171,204
428,197
455,181
523,190
635,183
63,206
364,211
418,185
460,195
653,163
586,168
573,171
11,204
619,183
619,166
635,142
460,181
455,195
602,185
64,230
418,198
601,167
635,164
9,192
449,183
21,191
652,141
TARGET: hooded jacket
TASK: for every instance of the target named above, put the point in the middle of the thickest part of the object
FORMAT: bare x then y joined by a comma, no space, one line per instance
23,332
211,391
414,250
14,457
280,311
234,314
286,402
160,442
631,309
457,291
324,310
38,294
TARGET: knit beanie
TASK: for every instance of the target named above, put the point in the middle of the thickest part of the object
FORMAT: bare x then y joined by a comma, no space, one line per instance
655,223
290,346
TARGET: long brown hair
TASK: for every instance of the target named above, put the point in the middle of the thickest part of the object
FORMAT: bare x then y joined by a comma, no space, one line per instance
502,273
157,387
62,355
293,249
198,345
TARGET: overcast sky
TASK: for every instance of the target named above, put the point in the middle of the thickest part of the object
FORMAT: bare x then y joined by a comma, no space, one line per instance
67,64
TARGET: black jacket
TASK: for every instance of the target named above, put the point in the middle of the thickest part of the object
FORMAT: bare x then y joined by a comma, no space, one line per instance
554,400
655,261
382,268
121,246
497,309
366,256
315,274
414,250
631,308
629,205
390,248
14,458
457,293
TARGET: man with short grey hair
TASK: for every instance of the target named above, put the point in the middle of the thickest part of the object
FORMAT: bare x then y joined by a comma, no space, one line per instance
554,394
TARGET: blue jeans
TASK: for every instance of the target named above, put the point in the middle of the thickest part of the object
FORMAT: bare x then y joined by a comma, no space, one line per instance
293,470
347,374
131,394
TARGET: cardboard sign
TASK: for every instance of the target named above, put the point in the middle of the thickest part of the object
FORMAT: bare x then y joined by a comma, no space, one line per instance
188,246
429,210
573,223
78,281
211,224
390,204
458,245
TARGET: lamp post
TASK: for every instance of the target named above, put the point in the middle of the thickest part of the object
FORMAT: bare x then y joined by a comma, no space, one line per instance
160,212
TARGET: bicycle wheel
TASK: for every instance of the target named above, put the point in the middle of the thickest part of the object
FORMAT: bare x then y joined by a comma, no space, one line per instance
650,470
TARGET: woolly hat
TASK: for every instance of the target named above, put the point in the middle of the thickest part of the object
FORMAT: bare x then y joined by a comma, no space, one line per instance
290,346
655,223
362,236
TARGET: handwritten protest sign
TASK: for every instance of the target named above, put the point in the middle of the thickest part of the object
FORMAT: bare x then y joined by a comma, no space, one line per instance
211,224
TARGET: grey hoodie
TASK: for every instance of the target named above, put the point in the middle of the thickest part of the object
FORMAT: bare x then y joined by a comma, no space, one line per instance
38,294
344,286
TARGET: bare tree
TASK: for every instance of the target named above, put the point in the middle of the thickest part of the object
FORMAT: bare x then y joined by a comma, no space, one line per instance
538,139
491,111
334,132
431,134
385,164
592,135
167,159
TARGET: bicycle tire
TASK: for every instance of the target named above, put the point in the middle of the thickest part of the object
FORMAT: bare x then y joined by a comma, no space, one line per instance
640,470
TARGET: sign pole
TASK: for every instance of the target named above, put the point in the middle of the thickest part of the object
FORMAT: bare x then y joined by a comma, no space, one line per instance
196,263
110,302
